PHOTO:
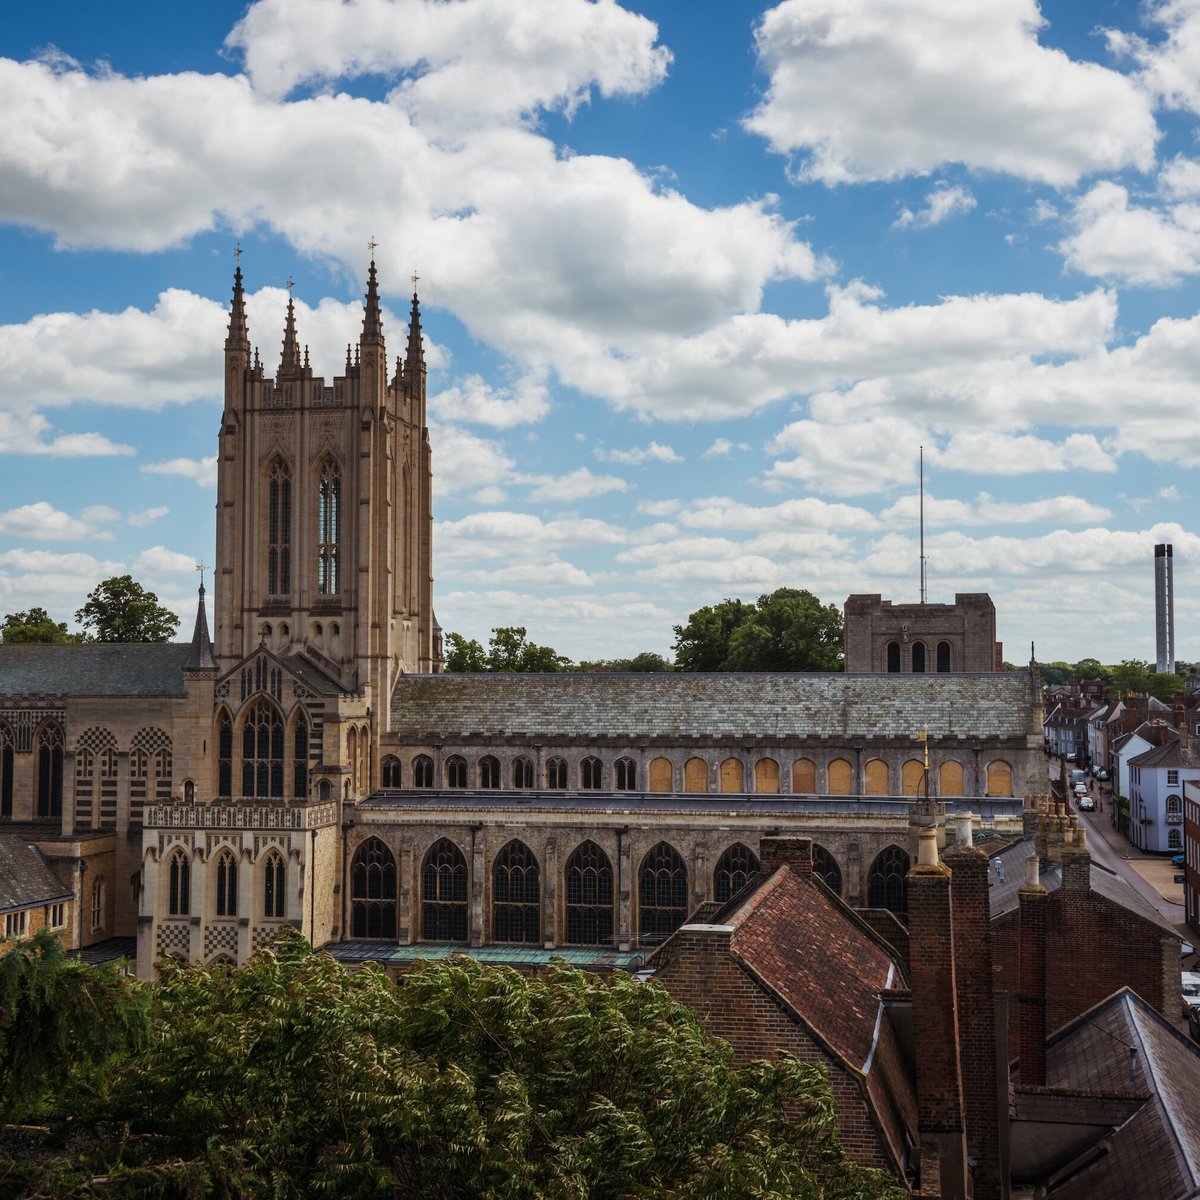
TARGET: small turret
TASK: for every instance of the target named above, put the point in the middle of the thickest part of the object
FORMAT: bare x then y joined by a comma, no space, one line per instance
414,359
200,656
289,362
239,331
372,333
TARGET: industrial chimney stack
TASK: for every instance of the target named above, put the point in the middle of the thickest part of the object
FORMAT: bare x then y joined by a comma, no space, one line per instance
1164,609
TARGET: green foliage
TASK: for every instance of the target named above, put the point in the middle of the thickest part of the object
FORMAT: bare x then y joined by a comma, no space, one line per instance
121,610
643,663
1133,675
1086,668
787,630
510,650
464,656
36,625
290,1077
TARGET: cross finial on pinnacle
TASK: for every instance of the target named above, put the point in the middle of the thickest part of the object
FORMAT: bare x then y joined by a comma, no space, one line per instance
372,246
291,283
200,568
237,254
415,277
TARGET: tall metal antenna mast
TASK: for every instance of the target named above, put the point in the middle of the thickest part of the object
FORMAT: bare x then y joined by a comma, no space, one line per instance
923,590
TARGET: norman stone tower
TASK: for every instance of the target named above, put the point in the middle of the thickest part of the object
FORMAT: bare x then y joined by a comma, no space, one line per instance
323,508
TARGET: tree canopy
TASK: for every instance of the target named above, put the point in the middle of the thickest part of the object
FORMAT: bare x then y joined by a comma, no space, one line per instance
509,649
787,630
36,625
121,610
290,1077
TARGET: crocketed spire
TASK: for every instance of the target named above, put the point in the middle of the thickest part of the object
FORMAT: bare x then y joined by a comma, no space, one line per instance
372,319
201,654
290,360
239,331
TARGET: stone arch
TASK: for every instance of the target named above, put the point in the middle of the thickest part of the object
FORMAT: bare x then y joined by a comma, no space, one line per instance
225,883
522,772
886,881
300,739
912,777
444,893
662,893
373,891
390,772
224,740
826,866
695,775
588,880
422,771
918,658
942,657
839,778
591,773
804,777
179,884
625,772
516,895
274,885
556,774
734,869
999,778
456,771
950,778
262,729
151,768
893,657
766,776
875,778
96,778
489,771
733,775
661,775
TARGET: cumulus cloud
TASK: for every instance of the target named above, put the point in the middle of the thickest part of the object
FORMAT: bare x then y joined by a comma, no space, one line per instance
202,471
465,460
579,484
158,560
987,510
654,452
945,201
878,89
720,512
42,522
503,535
148,516
476,401
1167,68
31,433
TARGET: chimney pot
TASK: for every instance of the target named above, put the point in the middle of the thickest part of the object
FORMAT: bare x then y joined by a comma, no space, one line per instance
927,852
1032,872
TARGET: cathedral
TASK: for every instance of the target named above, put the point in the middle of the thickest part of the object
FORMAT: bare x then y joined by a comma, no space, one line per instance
307,763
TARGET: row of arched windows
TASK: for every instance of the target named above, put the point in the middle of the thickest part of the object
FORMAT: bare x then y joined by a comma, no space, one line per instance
588,886
279,527
879,778
919,657
269,746
225,885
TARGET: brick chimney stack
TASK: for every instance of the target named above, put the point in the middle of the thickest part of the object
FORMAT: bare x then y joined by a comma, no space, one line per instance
975,994
1031,979
943,1148
795,852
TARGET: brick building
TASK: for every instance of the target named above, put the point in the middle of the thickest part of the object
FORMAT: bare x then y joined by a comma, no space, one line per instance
920,638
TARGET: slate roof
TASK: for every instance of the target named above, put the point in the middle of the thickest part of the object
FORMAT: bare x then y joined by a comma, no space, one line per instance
993,705
94,669
1172,754
25,877
1157,1151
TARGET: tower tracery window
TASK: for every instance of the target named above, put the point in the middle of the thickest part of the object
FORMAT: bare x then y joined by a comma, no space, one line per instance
227,885
224,754
279,529
262,752
329,517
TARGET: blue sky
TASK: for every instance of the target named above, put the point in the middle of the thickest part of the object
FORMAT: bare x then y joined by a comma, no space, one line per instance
698,280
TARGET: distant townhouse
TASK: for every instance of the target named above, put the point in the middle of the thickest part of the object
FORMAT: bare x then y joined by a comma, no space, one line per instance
1156,778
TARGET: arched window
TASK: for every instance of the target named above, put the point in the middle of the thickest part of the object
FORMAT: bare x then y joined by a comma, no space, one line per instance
329,519
804,776
556,774
50,770
6,771
875,778
695,775
625,770
274,896
766,775
227,885
589,880
943,656
373,891
422,768
591,774
179,893
391,771
918,658
999,778
893,657
1174,806
950,778
444,893
489,772
661,775
733,775
279,529
886,886
97,903
912,777
522,772
662,894
734,869
516,895
224,754
825,865
456,771
839,778
262,751
1174,839
300,757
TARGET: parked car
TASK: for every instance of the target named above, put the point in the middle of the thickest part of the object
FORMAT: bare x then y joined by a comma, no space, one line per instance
1080,789
1191,992
1102,774
1071,756
1087,804
1178,860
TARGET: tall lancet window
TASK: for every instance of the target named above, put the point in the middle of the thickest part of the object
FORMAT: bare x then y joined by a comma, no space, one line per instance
329,519
279,529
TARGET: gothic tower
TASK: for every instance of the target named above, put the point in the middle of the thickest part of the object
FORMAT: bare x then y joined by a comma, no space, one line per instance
323,508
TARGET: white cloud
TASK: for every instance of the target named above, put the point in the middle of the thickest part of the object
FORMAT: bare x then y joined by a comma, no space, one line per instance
158,560
1113,239
490,496
659,508
509,535
475,400
720,512
42,522
946,200
1168,69
202,471
986,452
1179,179
552,573
986,510
877,89
465,461
579,484
148,516
654,452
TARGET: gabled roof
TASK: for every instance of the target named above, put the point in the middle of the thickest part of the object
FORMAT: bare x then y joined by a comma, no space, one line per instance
994,705
298,665
94,669
1123,1046
25,877
1171,754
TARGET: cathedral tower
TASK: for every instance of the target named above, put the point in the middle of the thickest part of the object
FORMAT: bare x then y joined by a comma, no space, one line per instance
323,508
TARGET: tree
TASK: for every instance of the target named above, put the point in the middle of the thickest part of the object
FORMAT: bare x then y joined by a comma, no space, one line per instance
510,650
291,1077
121,610
464,656
1086,668
36,625
787,630
645,662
